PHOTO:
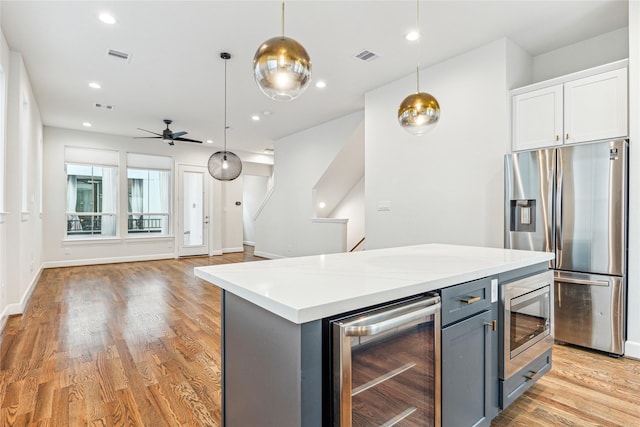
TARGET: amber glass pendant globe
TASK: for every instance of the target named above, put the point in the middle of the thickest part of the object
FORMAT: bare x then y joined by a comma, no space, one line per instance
282,68
418,113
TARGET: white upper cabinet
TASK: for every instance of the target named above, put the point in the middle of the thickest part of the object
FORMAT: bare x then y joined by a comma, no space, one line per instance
571,109
537,118
596,107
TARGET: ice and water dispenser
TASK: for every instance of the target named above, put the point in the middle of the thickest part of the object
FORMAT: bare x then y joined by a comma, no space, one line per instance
523,215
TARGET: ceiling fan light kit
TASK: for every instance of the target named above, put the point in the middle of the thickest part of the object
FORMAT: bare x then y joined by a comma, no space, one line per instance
225,165
419,112
282,67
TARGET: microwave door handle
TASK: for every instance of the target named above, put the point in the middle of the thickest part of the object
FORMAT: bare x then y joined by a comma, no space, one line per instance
388,324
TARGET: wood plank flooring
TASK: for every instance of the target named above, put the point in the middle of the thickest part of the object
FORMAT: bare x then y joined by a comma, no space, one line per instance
139,344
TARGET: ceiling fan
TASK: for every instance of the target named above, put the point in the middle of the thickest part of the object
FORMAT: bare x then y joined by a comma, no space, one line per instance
168,135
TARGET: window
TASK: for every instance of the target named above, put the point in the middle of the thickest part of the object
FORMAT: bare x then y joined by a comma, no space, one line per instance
92,200
149,190
148,201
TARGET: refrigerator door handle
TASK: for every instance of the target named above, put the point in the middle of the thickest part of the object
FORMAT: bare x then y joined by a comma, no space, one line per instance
559,186
574,281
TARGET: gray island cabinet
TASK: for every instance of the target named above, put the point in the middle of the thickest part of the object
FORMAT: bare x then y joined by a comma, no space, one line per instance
276,334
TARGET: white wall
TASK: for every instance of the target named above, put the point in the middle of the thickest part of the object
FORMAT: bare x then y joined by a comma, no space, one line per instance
58,251
253,193
352,207
22,227
632,347
5,63
446,186
605,48
284,228
232,231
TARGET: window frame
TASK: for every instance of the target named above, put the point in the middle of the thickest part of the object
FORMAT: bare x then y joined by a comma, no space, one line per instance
90,233
142,231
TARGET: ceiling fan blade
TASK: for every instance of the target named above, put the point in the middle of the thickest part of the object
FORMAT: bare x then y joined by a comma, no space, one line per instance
187,140
155,133
147,137
178,134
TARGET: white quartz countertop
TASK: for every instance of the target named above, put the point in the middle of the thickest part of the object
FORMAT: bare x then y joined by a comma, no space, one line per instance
309,288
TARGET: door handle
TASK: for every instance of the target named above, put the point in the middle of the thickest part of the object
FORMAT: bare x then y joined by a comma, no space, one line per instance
492,324
470,300
582,281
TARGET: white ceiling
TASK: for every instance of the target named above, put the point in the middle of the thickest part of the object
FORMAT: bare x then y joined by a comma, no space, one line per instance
175,71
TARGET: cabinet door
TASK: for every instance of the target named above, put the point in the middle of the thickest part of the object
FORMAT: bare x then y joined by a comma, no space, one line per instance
468,383
596,107
537,118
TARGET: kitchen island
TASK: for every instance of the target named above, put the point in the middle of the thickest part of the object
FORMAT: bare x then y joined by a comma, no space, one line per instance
274,366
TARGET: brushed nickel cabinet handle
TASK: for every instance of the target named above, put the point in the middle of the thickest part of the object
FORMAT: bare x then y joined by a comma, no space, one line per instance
492,324
557,137
470,300
567,136
531,375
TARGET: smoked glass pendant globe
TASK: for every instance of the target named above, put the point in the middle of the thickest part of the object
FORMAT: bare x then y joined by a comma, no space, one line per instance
418,113
224,166
282,68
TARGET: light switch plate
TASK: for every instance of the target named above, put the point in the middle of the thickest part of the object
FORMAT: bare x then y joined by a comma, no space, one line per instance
494,290
384,205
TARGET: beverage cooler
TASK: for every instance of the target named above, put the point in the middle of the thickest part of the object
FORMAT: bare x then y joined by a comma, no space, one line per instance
386,365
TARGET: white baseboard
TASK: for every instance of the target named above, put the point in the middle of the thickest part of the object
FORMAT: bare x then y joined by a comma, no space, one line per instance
216,252
267,255
4,316
20,307
632,349
228,250
113,260
248,243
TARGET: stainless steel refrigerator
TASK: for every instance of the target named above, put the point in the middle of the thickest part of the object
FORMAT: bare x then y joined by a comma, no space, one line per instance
572,201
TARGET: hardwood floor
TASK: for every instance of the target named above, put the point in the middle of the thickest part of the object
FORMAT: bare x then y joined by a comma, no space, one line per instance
111,345
139,344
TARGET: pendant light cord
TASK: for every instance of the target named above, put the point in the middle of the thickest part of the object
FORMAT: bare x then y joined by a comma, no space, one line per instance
225,105
418,46
282,18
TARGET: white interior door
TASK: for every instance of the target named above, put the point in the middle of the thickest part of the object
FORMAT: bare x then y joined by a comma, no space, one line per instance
193,205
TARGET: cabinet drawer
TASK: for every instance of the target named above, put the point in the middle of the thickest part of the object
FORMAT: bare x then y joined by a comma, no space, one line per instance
520,382
465,300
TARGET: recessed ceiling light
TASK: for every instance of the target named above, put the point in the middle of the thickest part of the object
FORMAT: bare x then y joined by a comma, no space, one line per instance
412,36
95,85
321,84
209,141
266,113
86,124
107,18
255,118
322,205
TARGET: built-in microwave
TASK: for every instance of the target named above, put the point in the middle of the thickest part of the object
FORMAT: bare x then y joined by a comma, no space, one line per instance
527,319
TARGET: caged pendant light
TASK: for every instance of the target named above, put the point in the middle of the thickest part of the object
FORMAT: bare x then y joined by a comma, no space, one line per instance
225,165
282,67
419,112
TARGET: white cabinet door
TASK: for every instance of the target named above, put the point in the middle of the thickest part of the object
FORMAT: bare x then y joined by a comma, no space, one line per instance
537,118
595,107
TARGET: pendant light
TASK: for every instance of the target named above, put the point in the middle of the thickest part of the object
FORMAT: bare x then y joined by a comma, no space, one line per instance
225,165
419,112
282,67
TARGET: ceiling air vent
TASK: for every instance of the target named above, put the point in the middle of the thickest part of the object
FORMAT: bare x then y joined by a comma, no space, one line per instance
103,106
119,55
366,55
